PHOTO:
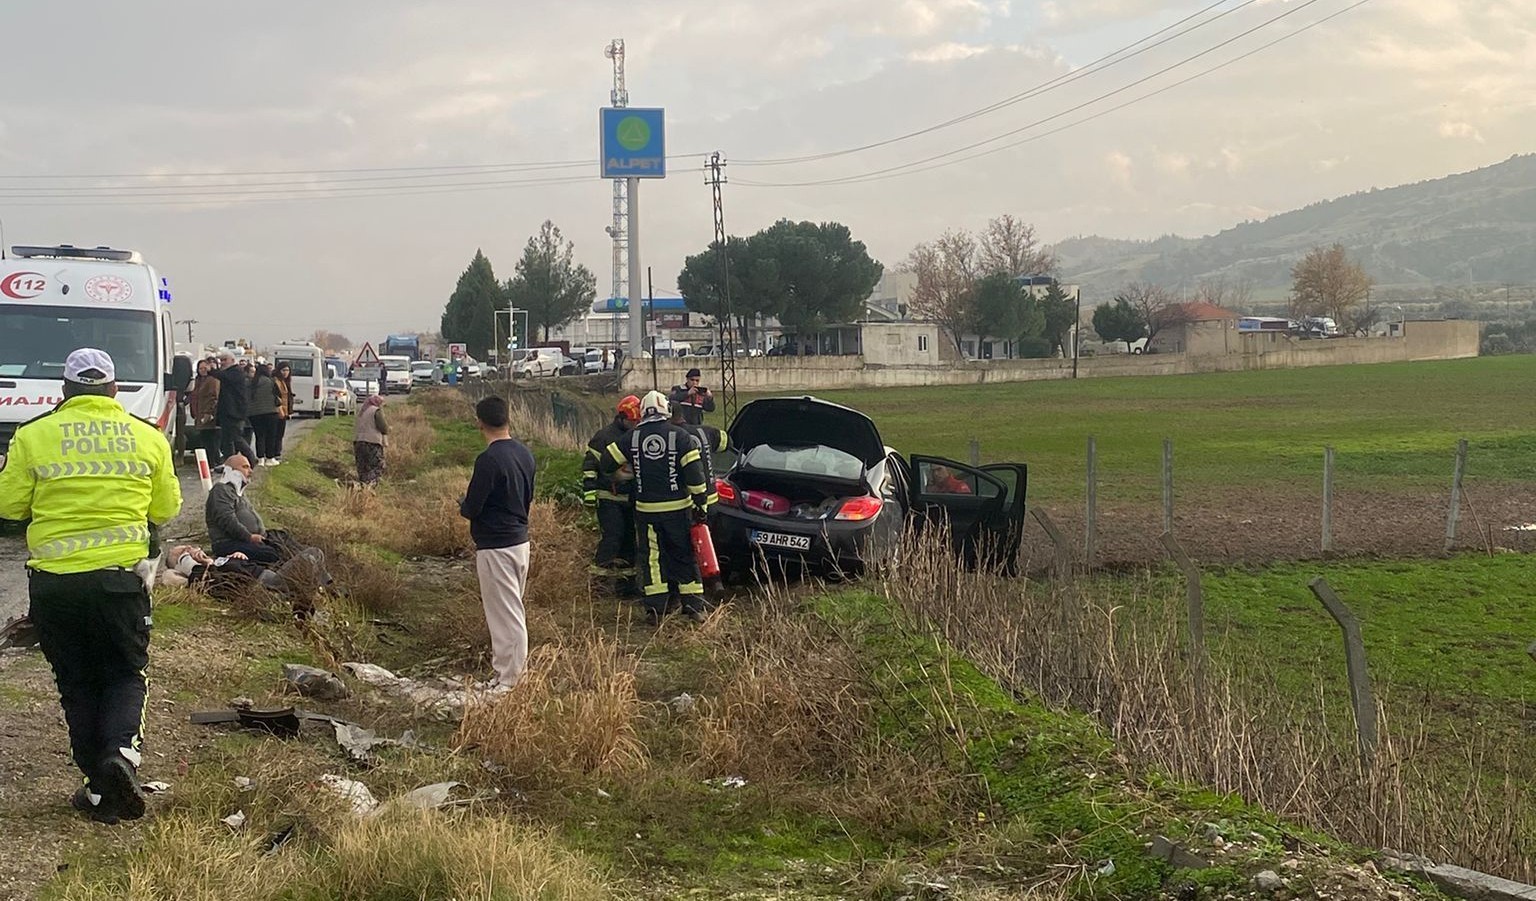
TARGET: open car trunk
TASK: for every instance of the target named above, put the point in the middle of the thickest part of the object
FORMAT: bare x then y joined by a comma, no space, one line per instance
803,497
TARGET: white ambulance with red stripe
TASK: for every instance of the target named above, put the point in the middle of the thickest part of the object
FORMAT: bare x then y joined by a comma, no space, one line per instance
56,299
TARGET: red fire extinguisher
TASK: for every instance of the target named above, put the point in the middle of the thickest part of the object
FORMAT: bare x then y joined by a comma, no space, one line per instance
704,550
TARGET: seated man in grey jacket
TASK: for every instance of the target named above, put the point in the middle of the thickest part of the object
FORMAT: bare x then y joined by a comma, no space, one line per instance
234,526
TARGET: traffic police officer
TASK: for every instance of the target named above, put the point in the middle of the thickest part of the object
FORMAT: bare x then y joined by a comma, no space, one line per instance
94,481
670,495
604,489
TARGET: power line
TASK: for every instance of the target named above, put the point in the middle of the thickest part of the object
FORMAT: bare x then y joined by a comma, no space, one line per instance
1101,64
942,160
231,198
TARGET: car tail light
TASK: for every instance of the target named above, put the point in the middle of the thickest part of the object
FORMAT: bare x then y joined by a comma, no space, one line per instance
317,392
726,492
858,509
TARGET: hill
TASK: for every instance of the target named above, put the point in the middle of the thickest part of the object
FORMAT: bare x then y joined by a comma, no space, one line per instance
1476,226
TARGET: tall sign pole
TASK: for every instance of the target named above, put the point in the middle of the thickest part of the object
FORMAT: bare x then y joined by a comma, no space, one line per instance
634,147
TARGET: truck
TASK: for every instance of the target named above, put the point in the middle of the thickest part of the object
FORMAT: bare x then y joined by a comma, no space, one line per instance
408,346
54,300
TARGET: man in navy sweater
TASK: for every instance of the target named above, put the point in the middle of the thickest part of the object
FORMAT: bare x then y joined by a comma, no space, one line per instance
496,505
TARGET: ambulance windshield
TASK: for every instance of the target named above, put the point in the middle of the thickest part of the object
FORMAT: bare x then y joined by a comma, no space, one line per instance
35,340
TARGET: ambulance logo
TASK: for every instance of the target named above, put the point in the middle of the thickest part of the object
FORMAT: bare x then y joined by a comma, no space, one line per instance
108,289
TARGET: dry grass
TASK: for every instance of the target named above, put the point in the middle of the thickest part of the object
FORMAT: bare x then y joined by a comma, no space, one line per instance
1122,658
404,855
574,714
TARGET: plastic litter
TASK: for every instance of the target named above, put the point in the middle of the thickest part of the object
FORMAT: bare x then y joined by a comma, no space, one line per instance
157,787
313,682
352,791
235,821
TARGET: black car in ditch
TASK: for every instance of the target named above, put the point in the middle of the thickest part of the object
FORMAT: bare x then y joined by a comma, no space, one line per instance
813,483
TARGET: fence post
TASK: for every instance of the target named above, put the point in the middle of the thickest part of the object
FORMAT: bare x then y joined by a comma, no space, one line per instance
1194,596
1360,692
975,452
1168,485
1061,561
1327,500
1091,539
1454,517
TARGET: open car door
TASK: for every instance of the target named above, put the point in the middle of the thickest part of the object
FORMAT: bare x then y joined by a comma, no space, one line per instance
1005,533
970,502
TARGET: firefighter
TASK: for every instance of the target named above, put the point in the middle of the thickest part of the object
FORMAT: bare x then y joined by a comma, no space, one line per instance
95,482
712,442
670,495
606,487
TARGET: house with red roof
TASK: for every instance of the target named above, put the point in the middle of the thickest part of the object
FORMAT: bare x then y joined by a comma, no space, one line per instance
1197,328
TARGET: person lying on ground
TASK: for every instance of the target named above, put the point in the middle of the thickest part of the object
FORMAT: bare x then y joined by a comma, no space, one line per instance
219,577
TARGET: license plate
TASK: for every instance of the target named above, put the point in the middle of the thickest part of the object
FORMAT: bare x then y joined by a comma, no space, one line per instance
779,539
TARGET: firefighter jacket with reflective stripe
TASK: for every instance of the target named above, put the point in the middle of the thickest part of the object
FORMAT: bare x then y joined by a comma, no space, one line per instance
599,469
712,441
669,473
91,478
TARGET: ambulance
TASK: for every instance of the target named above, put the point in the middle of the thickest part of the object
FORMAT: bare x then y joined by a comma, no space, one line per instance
56,299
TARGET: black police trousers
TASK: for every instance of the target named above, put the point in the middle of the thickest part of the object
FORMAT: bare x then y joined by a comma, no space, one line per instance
94,629
616,547
666,559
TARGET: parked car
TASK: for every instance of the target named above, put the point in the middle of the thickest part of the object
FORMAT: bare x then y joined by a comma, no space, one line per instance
398,370
592,361
340,398
813,482
423,372
792,349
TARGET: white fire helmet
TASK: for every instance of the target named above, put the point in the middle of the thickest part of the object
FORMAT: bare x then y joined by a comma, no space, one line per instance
654,406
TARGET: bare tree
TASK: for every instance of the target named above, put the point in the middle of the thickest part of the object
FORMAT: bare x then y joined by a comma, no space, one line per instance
330,340
1154,305
1327,283
1232,293
1009,245
946,271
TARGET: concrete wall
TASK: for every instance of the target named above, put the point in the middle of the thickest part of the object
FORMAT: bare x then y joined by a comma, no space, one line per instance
1444,340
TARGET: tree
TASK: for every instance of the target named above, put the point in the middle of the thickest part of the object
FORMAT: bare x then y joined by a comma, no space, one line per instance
467,316
819,274
1119,321
946,271
330,341
1000,307
1154,306
550,284
1008,244
1060,314
1327,283
1232,293
751,283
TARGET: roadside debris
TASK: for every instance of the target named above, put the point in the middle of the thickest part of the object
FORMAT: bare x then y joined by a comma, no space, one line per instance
283,722
353,792
444,700
726,782
427,797
245,783
156,787
359,742
235,821
19,633
683,703
313,682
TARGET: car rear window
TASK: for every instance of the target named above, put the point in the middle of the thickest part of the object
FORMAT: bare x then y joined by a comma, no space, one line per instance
815,460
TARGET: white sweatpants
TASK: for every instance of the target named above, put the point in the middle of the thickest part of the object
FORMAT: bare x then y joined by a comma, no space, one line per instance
503,572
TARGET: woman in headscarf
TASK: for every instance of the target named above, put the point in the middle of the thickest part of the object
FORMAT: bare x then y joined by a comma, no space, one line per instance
283,379
369,439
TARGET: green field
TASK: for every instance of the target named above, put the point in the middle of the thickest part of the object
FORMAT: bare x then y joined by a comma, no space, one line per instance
1391,425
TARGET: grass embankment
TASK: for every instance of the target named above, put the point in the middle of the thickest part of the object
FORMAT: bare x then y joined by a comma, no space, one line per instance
1393,426
794,746
1269,716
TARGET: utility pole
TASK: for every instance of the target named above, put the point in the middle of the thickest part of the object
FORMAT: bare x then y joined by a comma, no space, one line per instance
714,176
1077,326
618,231
188,323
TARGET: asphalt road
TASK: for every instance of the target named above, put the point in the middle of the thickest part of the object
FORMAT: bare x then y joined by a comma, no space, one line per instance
13,548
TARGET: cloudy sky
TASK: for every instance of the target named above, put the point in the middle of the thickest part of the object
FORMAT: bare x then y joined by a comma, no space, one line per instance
288,146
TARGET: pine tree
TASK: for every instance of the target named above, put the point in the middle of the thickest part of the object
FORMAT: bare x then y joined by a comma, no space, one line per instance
467,317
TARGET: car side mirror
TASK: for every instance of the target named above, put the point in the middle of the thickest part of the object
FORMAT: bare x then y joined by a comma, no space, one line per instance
180,376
